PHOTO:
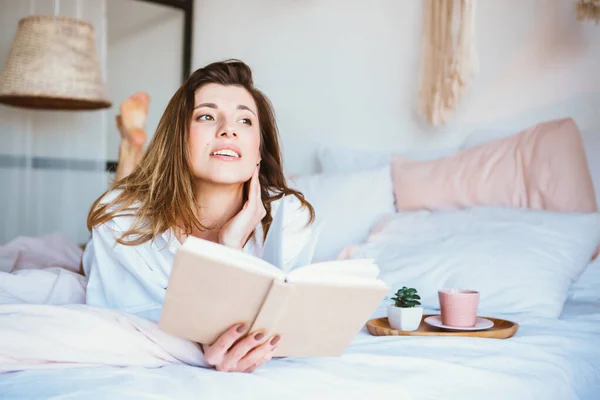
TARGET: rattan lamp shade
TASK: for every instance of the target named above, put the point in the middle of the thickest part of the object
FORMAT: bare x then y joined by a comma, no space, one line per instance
53,65
589,10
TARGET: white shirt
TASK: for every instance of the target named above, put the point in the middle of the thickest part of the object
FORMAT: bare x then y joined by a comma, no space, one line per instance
134,278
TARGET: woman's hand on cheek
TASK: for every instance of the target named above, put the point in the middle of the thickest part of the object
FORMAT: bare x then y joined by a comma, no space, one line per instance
235,232
245,356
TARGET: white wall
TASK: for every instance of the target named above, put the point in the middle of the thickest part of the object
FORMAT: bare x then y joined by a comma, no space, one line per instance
346,71
145,45
40,200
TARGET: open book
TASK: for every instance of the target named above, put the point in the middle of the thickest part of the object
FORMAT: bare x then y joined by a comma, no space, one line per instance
316,309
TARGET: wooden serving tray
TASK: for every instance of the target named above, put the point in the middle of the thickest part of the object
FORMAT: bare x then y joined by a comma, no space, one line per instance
502,329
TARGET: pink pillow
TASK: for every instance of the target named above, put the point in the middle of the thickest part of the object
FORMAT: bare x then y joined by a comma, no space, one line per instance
543,167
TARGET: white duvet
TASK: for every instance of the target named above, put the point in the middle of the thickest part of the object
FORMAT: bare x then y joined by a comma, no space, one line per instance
80,352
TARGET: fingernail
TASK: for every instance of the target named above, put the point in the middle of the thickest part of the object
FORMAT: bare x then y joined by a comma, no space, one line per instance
241,328
275,340
259,336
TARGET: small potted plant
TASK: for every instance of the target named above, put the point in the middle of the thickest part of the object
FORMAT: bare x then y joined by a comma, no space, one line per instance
406,312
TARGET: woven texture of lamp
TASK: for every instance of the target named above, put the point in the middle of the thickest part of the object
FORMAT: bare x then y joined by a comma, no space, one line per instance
589,10
53,65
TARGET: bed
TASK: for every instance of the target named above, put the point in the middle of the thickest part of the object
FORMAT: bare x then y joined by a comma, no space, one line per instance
554,355
547,359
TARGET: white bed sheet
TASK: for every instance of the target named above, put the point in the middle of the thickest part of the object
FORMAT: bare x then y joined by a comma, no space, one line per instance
547,359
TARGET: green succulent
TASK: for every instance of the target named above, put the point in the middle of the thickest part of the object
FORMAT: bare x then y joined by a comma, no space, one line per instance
407,298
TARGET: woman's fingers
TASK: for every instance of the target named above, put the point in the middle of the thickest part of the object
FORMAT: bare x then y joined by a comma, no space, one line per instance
258,364
240,350
236,231
245,356
258,356
254,203
254,187
260,208
257,184
215,353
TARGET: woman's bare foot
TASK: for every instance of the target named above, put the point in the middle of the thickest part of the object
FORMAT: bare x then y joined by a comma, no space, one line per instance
131,124
132,120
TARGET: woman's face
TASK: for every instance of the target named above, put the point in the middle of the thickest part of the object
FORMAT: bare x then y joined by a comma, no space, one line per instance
224,134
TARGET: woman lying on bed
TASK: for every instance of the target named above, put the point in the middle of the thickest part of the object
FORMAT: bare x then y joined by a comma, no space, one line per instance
212,170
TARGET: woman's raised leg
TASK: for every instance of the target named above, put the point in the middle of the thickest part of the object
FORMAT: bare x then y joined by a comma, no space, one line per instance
131,123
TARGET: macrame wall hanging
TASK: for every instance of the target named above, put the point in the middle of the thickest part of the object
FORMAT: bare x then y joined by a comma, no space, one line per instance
589,10
449,59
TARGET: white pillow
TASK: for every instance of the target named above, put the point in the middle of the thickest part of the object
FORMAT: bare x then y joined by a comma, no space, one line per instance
587,286
521,261
346,206
339,159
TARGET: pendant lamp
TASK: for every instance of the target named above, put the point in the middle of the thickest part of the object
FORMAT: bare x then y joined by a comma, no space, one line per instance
589,10
53,65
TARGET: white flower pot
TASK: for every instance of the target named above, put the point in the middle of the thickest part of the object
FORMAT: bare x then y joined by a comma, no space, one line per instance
405,319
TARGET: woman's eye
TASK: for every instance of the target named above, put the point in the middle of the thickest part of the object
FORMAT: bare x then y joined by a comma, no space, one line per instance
246,121
204,117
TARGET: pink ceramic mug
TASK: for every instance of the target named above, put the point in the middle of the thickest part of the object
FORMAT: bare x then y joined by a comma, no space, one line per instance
459,307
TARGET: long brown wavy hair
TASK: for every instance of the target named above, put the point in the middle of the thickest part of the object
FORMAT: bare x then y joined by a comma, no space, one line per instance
159,192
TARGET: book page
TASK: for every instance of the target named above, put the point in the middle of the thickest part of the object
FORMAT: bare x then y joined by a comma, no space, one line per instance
237,258
336,280
344,272
206,296
321,320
